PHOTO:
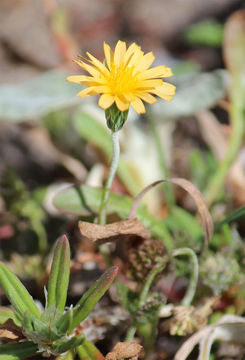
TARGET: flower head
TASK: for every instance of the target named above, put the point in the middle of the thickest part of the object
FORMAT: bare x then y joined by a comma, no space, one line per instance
125,78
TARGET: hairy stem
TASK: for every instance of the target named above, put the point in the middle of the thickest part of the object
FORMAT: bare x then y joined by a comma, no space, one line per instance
106,192
144,293
190,293
109,180
191,290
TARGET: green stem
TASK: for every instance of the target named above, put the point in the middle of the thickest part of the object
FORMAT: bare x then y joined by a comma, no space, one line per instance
104,250
154,272
109,180
190,293
237,116
168,189
130,333
144,293
192,286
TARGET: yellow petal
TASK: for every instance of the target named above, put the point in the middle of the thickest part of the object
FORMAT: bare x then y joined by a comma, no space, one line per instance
100,89
119,52
169,88
145,84
136,58
164,91
155,72
90,69
138,106
147,98
106,101
98,64
130,51
86,92
145,62
168,72
128,97
108,54
121,105
79,79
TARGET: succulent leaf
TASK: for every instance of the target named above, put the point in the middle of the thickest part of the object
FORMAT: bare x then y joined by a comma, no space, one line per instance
92,296
16,292
59,276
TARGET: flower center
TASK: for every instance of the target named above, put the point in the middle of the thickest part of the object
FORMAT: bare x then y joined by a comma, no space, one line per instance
122,80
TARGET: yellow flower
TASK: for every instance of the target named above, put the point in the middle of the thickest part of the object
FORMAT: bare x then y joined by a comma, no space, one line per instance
125,78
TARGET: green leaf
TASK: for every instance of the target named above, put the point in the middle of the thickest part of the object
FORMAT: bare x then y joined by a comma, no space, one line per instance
69,344
27,322
207,32
41,329
88,351
179,219
6,314
88,301
59,275
35,328
85,200
65,322
37,97
16,292
17,351
50,315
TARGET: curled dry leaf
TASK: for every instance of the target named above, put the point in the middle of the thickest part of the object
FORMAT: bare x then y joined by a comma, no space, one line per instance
213,133
206,219
229,328
111,232
123,350
205,216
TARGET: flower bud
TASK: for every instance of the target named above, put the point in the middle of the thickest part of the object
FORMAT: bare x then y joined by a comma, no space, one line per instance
115,118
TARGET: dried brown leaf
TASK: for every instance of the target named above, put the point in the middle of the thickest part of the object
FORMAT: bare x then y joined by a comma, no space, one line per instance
10,331
228,328
6,334
206,219
123,350
114,231
234,43
205,216
212,133
190,343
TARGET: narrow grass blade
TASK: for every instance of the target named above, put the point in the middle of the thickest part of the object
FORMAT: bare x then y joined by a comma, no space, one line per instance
16,292
236,214
59,276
